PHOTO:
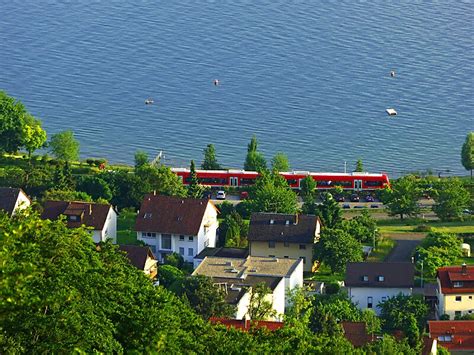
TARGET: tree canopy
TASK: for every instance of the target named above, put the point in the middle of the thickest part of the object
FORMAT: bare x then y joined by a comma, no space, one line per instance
210,159
450,198
280,162
359,166
402,197
329,211
195,189
254,160
467,152
64,146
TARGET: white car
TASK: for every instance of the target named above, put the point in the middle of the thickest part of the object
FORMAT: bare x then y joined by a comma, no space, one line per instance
220,195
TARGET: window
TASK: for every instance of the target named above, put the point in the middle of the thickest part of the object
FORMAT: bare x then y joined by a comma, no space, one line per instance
181,237
365,278
153,248
206,243
286,256
271,244
445,338
181,251
190,252
470,297
147,215
384,299
381,278
458,284
73,218
304,259
286,244
191,238
271,256
369,302
143,234
166,241
457,313
302,246
458,298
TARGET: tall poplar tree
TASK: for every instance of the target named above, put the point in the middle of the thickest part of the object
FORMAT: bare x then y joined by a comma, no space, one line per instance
194,188
210,160
467,152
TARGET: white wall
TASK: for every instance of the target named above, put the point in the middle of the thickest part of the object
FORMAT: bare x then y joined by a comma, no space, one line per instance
279,300
21,203
110,226
359,295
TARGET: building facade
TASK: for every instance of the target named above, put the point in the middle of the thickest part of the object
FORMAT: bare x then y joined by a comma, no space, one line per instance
455,290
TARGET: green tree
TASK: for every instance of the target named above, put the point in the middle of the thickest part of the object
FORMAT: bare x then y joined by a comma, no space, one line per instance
127,189
175,259
407,313
159,178
336,248
210,160
235,231
437,250
67,195
308,194
450,198
34,137
359,166
372,321
389,345
195,189
329,211
203,296
64,146
280,162
402,198
254,160
272,193
260,307
141,159
95,187
168,274
363,228
467,153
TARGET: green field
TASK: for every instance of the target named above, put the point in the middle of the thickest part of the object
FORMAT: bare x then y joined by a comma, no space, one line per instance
383,248
125,228
408,226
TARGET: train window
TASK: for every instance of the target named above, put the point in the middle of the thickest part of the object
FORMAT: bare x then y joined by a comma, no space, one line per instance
211,180
245,181
373,183
187,180
343,183
324,183
291,181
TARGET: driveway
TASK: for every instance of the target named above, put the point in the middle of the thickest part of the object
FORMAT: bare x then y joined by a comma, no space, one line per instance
403,250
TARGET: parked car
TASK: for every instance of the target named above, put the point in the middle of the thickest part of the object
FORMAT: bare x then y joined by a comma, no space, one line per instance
340,198
244,195
346,205
467,211
374,206
220,195
355,198
369,198
358,206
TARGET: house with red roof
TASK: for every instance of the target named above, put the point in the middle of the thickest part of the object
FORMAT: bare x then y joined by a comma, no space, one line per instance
99,217
173,224
356,333
13,199
456,336
455,290
142,258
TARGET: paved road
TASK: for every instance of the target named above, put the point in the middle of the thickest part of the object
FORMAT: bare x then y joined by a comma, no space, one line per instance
403,250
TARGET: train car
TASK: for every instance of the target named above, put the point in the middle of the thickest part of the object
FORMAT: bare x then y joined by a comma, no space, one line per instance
242,178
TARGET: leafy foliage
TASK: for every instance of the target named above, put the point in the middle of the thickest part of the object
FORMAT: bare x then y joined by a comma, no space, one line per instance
195,189
363,228
329,211
168,274
235,230
359,166
141,158
210,160
67,195
254,160
308,193
64,146
280,162
450,199
336,248
95,187
467,152
260,307
402,198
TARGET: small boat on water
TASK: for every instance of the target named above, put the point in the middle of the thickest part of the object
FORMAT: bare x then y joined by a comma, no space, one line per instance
391,112
392,73
216,82
149,101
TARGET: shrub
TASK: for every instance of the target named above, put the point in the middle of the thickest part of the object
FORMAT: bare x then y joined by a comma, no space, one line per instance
444,317
244,208
90,161
422,228
332,288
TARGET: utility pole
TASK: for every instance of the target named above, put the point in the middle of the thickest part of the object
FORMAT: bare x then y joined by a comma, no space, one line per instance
345,167
421,273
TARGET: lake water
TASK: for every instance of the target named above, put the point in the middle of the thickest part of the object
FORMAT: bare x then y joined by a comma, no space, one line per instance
309,78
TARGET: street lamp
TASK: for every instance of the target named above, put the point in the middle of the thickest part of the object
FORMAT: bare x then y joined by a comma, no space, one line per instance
421,273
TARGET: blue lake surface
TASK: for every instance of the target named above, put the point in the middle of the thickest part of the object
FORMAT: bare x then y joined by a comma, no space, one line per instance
309,78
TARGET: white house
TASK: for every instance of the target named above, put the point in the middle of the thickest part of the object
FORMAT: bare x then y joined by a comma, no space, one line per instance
238,276
13,199
455,290
101,218
181,225
370,284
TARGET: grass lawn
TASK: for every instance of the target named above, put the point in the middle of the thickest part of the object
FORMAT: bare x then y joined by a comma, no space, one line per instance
125,224
408,226
324,274
383,248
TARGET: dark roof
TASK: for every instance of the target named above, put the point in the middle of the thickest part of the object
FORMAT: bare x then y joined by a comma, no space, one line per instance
450,274
137,254
88,213
236,288
457,334
8,198
356,333
174,215
396,274
238,253
282,227
245,324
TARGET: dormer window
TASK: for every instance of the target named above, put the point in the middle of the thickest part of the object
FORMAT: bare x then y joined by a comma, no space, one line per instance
74,218
380,278
147,215
287,223
458,284
272,221
365,278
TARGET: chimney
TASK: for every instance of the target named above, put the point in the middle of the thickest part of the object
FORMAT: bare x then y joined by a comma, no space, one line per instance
154,192
464,269
90,209
296,218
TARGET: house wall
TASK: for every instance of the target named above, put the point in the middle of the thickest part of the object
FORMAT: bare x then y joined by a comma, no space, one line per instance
292,251
22,202
359,295
150,267
97,236
243,307
205,237
110,226
449,304
279,300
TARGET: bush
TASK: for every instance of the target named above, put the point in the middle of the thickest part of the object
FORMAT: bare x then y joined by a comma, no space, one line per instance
244,209
444,317
332,288
422,228
174,259
226,209
90,162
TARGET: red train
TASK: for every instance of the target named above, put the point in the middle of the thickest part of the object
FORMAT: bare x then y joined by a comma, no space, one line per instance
242,178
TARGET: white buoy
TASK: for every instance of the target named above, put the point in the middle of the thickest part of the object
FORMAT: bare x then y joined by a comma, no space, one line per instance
392,73
149,101
391,112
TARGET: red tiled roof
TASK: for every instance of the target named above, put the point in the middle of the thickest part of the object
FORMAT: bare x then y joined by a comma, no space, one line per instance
173,215
395,274
450,274
356,333
137,255
90,214
453,335
245,325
